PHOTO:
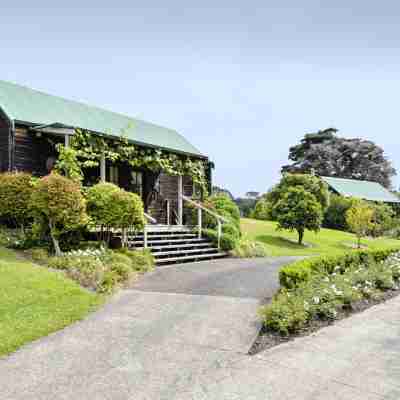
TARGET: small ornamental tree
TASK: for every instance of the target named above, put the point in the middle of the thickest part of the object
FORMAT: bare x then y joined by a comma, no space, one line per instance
110,207
16,189
57,202
359,219
298,210
68,164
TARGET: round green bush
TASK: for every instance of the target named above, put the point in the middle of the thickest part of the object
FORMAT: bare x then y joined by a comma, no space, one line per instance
111,207
16,189
123,271
228,242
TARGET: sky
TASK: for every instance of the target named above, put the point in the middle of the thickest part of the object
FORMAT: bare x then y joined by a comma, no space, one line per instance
241,80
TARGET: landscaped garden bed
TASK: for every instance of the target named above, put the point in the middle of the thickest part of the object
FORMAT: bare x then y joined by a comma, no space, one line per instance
317,292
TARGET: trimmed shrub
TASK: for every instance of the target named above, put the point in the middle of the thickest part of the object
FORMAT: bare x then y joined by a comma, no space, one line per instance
124,271
383,220
39,255
335,214
111,207
58,204
16,189
228,241
295,274
142,260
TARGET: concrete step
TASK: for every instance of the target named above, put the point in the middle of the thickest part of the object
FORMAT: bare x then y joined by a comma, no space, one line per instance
183,252
191,258
151,242
180,246
163,236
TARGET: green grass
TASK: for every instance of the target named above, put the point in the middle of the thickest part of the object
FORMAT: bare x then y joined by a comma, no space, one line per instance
326,242
35,301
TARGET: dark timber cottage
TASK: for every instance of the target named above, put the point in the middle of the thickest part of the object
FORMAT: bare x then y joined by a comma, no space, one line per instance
28,118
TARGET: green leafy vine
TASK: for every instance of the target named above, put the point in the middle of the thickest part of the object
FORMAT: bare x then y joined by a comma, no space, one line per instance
91,147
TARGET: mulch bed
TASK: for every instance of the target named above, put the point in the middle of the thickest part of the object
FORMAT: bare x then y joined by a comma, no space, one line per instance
267,339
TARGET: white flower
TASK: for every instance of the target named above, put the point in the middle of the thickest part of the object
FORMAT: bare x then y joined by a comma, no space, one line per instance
316,300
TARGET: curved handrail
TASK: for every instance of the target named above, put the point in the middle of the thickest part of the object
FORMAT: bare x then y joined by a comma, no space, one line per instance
199,205
220,219
150,218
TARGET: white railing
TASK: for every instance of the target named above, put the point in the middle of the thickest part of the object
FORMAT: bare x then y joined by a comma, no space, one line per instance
200,208
145,233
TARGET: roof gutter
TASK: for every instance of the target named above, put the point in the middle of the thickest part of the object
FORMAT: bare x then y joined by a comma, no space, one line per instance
11,139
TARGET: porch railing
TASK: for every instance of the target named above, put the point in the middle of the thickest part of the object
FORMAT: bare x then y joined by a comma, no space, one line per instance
145,232
200,208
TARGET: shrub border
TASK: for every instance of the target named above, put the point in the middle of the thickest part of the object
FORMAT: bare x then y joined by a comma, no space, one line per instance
292,275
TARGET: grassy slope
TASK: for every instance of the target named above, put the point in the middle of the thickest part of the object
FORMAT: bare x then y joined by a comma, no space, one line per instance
35,301
327,241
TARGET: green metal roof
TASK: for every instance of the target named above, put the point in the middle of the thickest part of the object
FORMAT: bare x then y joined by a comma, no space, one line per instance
361,189
27,105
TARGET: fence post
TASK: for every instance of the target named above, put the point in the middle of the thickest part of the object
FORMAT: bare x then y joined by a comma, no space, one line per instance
199,221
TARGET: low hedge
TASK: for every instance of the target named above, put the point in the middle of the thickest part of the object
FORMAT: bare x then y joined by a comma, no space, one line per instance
299,272
328,296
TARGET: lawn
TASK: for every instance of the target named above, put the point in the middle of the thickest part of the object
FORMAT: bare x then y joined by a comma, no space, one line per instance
327,241
35,301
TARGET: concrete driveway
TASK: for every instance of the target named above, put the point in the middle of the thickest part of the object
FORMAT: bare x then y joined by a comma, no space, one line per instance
247,278
147,344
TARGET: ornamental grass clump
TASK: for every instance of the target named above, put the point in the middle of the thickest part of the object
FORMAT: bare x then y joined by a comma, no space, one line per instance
325,296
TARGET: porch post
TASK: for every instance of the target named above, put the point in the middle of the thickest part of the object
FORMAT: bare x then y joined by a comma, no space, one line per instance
103,168
66,140
180,200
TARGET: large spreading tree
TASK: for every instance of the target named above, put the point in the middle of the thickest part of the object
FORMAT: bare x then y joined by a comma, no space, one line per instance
329,155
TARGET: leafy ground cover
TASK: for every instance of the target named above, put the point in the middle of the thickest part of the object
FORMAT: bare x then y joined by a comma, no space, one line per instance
326,242
35,301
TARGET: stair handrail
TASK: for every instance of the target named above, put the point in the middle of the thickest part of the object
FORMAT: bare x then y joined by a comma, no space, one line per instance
153,221
150,218
200,207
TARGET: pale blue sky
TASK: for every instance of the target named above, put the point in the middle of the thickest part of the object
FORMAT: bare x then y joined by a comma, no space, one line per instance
242,80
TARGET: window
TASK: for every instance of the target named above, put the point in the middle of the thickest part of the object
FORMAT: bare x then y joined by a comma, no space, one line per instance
114,176
137,182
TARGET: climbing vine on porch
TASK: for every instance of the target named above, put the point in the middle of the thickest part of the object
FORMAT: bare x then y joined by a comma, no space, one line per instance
91,147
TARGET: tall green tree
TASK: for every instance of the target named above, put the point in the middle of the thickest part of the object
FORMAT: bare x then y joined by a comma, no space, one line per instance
330,155
311,184
299,210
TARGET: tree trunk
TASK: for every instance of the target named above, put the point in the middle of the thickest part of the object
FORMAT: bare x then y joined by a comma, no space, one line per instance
301,236
56,243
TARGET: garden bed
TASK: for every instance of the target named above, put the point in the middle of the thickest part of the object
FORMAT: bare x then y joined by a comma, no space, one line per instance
318,292
267,339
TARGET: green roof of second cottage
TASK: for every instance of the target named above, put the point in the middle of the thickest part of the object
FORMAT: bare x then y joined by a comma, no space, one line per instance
365,190
23,104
